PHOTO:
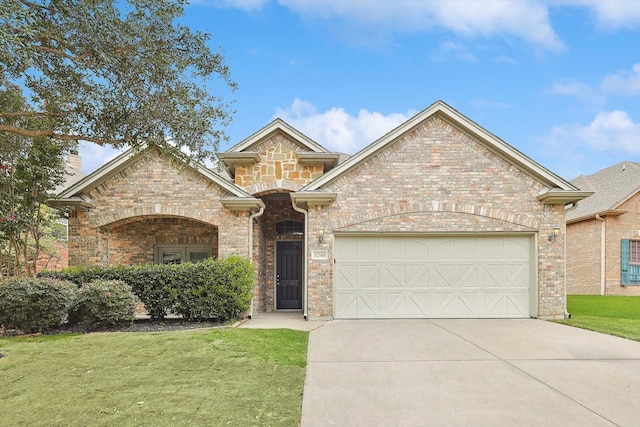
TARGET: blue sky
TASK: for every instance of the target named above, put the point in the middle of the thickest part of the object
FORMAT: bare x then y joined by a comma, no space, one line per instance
557,79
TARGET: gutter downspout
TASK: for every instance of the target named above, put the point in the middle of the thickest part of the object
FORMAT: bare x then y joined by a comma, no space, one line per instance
306,257
251,218
602,253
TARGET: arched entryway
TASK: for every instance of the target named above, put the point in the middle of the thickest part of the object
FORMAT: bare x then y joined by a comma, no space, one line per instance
158,239
278,252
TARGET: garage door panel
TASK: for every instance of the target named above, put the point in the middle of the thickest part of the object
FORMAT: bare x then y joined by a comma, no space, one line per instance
506,304
406,304
438,276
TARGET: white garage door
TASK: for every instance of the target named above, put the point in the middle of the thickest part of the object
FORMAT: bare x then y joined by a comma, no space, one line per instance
404,277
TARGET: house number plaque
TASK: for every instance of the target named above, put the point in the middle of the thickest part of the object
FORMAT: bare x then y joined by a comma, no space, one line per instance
319,255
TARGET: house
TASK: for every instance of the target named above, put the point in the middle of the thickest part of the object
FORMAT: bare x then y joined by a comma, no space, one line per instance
603,233
437,218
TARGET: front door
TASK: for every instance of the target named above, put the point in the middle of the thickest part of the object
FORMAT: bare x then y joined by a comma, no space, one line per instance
289,275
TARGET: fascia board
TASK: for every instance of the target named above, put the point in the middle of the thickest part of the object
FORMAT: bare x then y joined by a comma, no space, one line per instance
608,212
627,197
452,116
242,203
122,161
314,198
101,174
563,197
277,125
76,202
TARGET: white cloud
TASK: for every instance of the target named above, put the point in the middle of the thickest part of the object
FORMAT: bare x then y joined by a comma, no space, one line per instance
609,14
93,156
338,130
525,19
457,50
623,82
609,132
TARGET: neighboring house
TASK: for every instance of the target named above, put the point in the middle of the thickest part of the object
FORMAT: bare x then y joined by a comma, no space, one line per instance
438,218
57,257
603,233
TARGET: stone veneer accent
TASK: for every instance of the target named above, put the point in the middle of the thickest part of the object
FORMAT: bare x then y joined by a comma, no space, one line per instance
464,188
278,167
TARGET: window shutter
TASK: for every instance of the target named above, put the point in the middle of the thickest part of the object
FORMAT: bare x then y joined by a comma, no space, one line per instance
624,261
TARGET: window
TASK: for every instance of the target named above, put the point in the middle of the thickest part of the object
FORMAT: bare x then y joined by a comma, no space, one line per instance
176,254
634,251
289,227
630,262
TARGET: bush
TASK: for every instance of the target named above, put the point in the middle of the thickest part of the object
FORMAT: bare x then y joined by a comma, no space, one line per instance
35,304
104,303
218,289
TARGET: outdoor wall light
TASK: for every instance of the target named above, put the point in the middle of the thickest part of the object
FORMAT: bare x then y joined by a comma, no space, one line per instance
554,233
321,235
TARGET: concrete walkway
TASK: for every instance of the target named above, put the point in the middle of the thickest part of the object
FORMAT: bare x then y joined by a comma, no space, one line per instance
469,373
280,319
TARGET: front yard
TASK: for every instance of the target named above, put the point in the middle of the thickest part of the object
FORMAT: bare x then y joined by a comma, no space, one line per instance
218,377
612,315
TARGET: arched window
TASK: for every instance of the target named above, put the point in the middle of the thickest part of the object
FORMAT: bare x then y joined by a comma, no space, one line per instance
289,227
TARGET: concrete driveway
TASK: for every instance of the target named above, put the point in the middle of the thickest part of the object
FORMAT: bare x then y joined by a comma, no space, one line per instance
469,373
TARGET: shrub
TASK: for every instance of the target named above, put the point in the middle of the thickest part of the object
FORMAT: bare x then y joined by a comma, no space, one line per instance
210,289
218,289
35,304
104,303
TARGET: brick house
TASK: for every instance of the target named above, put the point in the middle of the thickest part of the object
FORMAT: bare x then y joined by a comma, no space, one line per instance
438,218
603,233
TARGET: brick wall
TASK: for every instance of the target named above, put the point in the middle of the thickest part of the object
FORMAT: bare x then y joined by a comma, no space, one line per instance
438,179
583,257
626,226
134,242
157,192
584,251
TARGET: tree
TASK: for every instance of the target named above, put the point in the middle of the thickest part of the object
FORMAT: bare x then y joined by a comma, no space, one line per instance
123,73
30,169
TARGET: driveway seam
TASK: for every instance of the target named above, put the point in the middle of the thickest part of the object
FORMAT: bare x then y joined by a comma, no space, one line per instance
507,361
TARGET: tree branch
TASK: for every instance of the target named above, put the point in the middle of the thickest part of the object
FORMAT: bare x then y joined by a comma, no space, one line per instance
40,133
32,114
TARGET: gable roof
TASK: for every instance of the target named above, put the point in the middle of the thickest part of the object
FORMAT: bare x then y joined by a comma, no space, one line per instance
563,191
277,125
612,187
125,159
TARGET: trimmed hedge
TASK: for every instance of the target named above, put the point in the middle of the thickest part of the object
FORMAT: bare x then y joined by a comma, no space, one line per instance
219,289
103,303
35,304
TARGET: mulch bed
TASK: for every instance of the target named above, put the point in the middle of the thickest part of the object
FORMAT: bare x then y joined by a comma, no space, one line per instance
138,325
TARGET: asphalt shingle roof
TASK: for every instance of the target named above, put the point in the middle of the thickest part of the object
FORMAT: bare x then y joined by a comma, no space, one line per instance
611,187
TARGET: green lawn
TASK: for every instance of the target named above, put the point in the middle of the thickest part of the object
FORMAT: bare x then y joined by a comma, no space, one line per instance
609,314
219,377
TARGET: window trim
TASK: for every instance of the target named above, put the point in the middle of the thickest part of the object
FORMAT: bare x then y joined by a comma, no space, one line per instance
184,249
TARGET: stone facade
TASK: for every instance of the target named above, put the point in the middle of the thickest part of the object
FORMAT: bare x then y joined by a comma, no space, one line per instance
278,164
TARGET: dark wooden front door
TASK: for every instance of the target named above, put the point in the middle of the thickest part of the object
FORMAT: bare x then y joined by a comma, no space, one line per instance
289,275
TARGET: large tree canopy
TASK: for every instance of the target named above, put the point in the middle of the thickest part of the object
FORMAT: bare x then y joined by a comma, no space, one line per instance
122,73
